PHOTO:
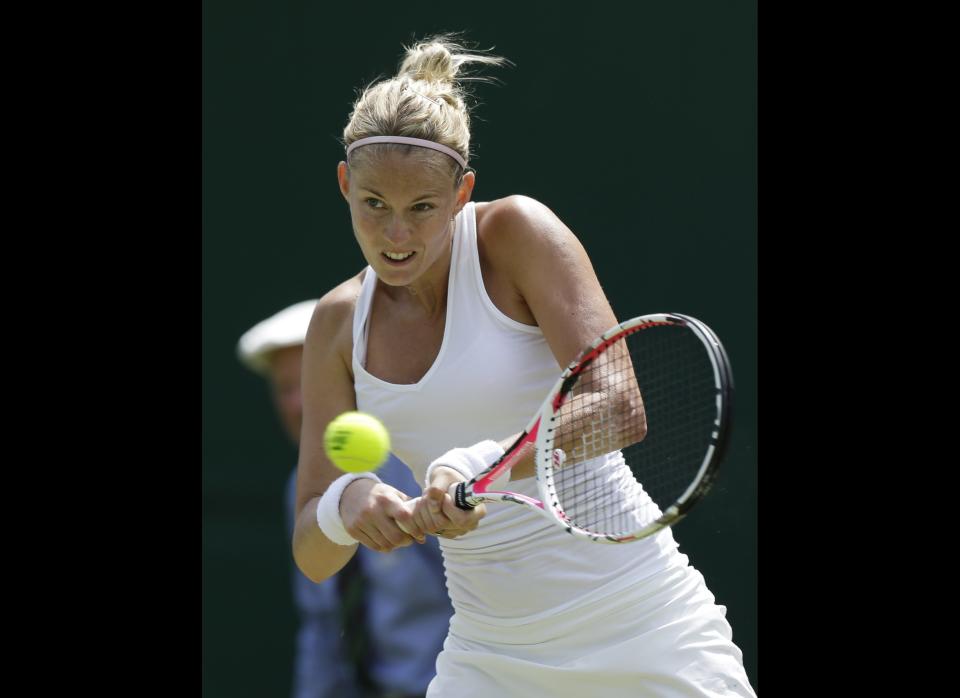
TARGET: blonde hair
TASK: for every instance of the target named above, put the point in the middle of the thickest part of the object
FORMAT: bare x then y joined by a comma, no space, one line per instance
426,99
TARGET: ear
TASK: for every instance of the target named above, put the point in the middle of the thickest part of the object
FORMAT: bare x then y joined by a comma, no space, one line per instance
343,177
465,190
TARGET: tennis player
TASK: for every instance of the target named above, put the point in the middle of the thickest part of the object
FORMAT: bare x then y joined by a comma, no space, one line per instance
452,335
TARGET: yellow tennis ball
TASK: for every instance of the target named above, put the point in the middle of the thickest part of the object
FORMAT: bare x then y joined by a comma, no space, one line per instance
356,442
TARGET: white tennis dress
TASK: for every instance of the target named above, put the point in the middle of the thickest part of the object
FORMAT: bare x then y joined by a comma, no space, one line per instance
537,612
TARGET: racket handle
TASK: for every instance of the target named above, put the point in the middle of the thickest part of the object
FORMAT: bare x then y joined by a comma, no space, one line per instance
459,494
456,491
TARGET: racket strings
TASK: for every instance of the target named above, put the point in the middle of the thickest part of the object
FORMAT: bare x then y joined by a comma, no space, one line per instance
659,380
615,505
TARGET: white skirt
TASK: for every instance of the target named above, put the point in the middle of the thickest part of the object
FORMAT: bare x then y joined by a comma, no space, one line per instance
662,637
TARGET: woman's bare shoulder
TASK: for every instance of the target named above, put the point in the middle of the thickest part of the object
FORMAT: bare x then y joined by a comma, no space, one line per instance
511,227
333,317
512,212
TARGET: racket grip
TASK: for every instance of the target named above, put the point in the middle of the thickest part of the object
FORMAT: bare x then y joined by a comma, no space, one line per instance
459,494
455,488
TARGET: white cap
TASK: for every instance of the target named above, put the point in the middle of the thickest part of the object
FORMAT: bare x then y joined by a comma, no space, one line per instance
288,328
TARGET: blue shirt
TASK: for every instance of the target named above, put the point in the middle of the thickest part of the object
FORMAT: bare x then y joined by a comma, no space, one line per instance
405,606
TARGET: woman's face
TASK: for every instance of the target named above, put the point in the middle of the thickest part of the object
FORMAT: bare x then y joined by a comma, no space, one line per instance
402,207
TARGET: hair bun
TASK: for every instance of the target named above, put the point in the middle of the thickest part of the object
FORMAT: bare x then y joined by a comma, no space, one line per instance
430,61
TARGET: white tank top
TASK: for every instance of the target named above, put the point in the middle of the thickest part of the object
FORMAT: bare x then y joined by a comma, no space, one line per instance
488,380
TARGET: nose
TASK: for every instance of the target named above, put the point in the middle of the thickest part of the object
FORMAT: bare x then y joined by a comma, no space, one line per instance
397,231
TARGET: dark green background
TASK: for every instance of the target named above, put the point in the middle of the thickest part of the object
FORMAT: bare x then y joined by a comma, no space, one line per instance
636,126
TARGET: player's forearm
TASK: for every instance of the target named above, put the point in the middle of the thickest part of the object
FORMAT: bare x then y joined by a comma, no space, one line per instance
316,555
621,412
622,404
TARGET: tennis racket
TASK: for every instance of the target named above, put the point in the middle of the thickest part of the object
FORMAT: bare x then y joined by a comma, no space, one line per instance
631,435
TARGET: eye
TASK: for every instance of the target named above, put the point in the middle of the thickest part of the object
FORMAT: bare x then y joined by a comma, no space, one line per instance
374,203
423,206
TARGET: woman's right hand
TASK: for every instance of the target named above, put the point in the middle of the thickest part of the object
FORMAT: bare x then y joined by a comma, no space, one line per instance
372,512
436,512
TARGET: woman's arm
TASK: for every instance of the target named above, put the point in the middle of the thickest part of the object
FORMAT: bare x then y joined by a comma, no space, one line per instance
369,509
541,275
536,271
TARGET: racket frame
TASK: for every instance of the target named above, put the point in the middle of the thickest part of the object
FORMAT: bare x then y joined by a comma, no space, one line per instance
475,491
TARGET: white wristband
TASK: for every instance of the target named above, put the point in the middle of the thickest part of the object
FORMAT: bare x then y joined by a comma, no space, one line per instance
467,461
328,508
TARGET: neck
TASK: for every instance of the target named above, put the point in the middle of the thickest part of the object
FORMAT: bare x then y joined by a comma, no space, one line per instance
429,291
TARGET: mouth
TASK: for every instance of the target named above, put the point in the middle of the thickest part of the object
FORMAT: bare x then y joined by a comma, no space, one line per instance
397,258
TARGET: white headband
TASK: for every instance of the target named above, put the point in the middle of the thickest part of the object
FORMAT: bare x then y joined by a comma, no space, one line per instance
409,141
